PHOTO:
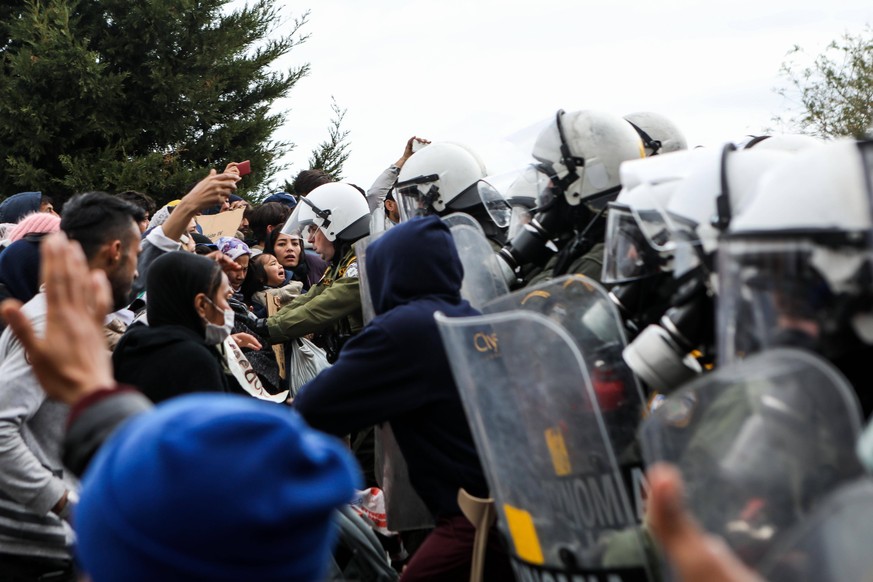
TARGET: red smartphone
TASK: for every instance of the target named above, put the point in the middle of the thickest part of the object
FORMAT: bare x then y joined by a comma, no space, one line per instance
244,168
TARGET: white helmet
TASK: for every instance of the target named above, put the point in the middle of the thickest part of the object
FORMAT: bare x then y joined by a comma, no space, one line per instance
786,142
798,260
638,238
338,209
659,134
581,153
442,176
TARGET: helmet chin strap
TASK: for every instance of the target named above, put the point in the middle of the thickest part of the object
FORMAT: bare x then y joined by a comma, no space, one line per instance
570,161
648,141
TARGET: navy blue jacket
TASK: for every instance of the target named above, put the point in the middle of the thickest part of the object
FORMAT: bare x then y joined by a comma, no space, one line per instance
396,369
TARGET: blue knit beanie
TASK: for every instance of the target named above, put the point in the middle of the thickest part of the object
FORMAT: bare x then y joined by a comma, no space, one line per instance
281,198
213,487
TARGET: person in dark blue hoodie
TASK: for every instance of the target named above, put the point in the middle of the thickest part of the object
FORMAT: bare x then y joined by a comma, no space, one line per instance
23,203
396,370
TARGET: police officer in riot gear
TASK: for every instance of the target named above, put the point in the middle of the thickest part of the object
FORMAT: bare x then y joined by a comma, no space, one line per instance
446,177
796,266
576,175
332,217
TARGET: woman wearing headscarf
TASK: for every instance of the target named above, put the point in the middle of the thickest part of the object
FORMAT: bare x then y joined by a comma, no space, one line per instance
188,317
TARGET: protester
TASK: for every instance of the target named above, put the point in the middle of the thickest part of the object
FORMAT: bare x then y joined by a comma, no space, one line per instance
37,493
300,264
13,208
178,351
238,252
380,196
19,270
264,273
414,271
308,180
265,219
36,223
144,201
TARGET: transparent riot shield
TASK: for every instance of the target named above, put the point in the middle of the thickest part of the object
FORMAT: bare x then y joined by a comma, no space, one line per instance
483,280
832,544
759,444
367,308
583,308
541,434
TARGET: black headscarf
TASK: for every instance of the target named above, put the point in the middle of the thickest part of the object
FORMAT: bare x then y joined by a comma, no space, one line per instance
174,280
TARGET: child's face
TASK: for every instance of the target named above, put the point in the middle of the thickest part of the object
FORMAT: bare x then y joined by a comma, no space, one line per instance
275,271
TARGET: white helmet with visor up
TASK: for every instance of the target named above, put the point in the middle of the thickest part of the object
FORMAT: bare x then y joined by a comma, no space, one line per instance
338,210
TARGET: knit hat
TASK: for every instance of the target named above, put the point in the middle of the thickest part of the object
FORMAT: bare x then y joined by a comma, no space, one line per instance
210,487
36,223
163,214
233,247
281,198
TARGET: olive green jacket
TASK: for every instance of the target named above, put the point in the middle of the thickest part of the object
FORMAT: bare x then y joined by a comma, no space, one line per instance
332,305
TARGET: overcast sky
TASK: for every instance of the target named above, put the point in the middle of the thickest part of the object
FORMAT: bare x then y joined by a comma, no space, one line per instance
480,71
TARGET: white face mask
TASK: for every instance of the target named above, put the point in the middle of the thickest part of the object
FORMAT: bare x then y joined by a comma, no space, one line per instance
216,334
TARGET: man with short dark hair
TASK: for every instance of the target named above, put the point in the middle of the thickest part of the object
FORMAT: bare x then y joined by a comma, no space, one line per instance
144,201
308,180
263,220
36,494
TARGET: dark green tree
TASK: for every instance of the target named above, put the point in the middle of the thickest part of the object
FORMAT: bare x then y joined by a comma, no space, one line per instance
331,154
833,95
146,95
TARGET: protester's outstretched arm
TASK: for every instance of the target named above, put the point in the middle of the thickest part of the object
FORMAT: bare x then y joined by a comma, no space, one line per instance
695,555
408,151
213,190
379,190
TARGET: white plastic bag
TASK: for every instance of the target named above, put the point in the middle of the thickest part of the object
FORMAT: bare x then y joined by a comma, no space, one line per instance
305,361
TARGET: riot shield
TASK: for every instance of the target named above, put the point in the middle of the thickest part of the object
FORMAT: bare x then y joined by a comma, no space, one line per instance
831,545
541,434
583,308
483,280
366,299
759,444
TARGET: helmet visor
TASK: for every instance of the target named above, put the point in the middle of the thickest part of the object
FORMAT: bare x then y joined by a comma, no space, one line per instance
415,197
628,256
784,293
495,204
304,219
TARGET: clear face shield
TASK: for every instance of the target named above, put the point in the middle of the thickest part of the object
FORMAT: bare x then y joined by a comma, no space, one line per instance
416,197
304,220
789,293
638,245
495,204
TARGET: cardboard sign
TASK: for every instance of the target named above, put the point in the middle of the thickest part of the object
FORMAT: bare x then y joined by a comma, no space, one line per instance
222,224
274,304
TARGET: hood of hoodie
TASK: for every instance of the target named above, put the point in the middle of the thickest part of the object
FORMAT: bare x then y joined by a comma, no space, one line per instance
17,205
413,260
141,342
19,268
